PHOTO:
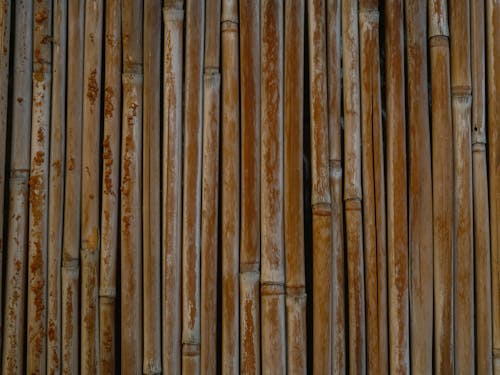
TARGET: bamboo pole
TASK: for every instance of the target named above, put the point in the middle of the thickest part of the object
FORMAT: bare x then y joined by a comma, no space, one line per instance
210,189
352,188
151,188
17,235
250,187
442,177
296,334
230,205
482,257
173,13
110,183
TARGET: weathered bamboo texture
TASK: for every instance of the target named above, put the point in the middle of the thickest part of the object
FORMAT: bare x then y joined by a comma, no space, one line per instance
36,346
110,184
210,189
191,210
17,235
56,186
482,257
419,189
442,186
493,105
250,187
173,13
230,205
131,202
296,333
151,189
352,188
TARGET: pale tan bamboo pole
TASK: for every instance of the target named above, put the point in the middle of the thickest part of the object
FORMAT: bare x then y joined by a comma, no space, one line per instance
151,189
173,13
482,257
56,186
210,188
419,189
352,188
110,184
250,187
230,204
442,186
296,330
17,235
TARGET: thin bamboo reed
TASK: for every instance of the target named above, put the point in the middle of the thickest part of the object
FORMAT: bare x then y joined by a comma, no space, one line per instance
173,13
442,177
250,187
17,235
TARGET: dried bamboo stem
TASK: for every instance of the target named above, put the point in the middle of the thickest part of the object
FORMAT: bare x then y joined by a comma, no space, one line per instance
17,235
442,177
172,191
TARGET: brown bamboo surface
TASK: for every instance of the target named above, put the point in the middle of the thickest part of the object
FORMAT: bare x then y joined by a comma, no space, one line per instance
239,186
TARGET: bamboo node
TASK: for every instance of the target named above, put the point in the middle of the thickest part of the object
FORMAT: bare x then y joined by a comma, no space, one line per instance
353,204
20,174
249,267
322,209
269,288
439,41
107,292
295,291
190,349
212,78
229,26
462,92
173,14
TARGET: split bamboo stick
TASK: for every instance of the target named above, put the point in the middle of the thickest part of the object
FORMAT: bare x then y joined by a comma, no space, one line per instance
442,177
110,184
296,333
419,189
151,188
230,205
352,188
250,187
482,257
17,235
173,13
210,189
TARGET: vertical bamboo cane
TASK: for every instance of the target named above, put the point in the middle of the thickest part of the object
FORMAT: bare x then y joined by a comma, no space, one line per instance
442,177
17,236
151,188
482,256
110,183
210,189
294,191
419,189
250,186
230,209
352,188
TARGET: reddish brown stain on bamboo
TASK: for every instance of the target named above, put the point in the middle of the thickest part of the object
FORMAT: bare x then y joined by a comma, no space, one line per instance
20,100
71,164
39,135
69,326
92,87
57,167
41,16
248,364
108,102
107,155
39,158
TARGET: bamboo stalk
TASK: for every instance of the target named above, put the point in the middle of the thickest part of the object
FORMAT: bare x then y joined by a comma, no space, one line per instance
250,187
17,235
173,12
296,334
110,183
420,189
442,177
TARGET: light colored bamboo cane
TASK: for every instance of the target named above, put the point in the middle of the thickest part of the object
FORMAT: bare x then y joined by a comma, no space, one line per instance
56,186
352,188
442,181
210,189
296,333
17,235
172,178
110,183
250,187
419,189
482,257
151,189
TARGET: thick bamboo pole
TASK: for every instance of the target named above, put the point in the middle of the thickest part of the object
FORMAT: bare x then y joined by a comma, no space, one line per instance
296,334
173,13
17,235
110,183
419,189
442,181
250,187
151,188
210,188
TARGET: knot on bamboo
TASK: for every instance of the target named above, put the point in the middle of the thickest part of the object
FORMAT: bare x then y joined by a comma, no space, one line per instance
229,25
133,78
107,292
71,264
478,139
249,267
322,209
20,174
172,14
353,204
190,350
370,13
462,93
211,78
268,289
439,41
295,291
